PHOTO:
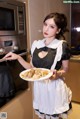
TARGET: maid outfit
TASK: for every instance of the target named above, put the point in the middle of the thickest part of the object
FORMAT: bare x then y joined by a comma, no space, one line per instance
51,98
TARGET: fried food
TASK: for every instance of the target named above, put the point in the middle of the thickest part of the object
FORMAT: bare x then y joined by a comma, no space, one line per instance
35,73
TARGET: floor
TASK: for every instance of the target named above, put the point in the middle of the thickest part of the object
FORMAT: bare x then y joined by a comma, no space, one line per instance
74,114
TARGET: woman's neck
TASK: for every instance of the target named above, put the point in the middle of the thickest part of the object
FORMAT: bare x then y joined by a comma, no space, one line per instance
47,41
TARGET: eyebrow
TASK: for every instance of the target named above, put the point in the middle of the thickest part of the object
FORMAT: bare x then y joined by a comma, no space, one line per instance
53,25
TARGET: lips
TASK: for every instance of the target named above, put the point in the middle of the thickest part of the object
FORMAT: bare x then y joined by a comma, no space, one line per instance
45,33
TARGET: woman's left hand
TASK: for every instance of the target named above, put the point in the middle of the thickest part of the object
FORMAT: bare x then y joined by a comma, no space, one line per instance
56,74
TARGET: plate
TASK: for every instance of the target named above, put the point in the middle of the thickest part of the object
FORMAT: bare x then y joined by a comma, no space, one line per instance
36,74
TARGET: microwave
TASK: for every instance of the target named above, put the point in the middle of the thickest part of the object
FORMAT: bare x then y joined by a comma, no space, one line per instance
12,17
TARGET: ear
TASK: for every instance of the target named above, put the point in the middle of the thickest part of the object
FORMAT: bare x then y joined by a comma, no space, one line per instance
58,31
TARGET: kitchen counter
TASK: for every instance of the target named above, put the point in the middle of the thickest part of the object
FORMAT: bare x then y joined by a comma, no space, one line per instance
75,58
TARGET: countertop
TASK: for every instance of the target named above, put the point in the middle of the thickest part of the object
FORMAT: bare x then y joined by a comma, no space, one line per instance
75,58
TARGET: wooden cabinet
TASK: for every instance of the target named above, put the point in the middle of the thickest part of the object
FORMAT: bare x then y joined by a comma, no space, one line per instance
73,80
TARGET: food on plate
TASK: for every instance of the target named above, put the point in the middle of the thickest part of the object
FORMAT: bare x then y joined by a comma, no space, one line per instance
35,73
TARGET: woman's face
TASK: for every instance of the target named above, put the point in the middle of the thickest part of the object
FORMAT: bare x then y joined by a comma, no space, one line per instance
50,29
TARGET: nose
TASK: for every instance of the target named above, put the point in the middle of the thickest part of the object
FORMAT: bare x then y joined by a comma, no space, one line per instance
46,28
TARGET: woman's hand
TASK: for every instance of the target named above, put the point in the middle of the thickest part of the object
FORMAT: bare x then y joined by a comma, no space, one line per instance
11,56
54,76
57,74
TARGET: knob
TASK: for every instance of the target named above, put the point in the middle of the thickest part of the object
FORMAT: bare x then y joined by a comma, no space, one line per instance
1,50
15,48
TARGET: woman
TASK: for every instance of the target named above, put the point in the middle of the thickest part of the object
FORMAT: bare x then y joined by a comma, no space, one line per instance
52,99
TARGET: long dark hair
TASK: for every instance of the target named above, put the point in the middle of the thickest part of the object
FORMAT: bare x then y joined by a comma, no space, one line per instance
61,22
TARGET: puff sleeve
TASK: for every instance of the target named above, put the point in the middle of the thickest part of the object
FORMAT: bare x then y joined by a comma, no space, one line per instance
66,51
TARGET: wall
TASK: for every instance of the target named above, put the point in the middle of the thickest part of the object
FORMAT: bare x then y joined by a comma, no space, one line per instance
59,6
39,9
36,15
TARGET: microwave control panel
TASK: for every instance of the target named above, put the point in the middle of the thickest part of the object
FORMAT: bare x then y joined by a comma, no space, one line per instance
21,19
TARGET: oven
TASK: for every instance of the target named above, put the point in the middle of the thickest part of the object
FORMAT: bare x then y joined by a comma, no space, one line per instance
10,82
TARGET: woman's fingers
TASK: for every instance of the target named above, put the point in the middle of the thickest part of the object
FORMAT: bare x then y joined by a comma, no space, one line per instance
54,76
11,56
8,55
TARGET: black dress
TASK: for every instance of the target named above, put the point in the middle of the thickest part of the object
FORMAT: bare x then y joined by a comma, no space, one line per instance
50,98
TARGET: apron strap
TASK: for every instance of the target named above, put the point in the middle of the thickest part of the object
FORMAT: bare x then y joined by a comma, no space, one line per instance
58,55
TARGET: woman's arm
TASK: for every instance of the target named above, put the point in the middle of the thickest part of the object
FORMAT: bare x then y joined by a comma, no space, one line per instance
62,71
12,56
65,68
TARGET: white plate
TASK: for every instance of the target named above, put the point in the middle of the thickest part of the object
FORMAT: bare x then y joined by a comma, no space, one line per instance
33,79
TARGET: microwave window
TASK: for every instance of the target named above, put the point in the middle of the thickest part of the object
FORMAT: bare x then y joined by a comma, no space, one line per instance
7,19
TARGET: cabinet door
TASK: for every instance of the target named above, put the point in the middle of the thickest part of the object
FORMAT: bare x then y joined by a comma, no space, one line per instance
73,80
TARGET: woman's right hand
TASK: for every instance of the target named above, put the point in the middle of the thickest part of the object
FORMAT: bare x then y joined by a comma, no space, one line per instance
11,56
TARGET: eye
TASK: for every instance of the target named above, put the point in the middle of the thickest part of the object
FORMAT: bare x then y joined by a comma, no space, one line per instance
52,27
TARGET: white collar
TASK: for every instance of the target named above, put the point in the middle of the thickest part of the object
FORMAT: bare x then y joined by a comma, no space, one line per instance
54,44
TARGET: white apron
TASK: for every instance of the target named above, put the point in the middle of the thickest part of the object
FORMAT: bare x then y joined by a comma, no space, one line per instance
52,97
